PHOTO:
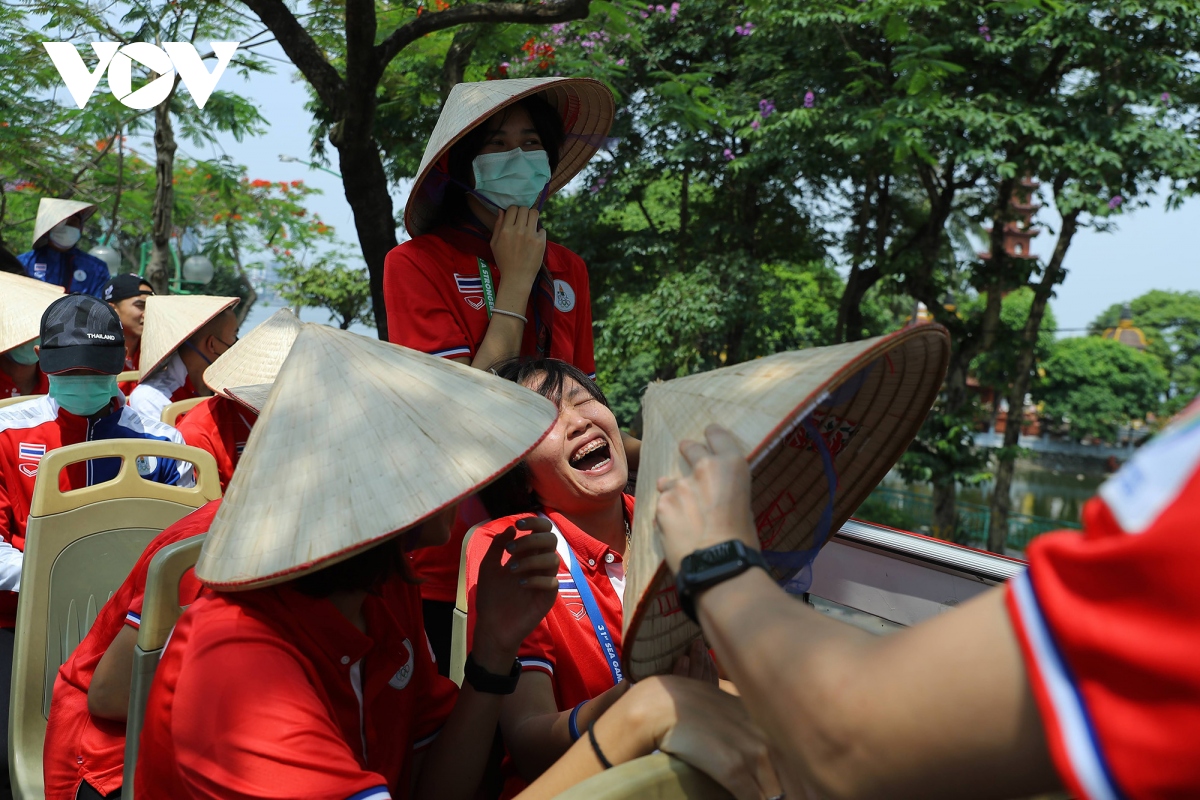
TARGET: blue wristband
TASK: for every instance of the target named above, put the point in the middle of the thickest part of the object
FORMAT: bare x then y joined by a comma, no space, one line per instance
573,722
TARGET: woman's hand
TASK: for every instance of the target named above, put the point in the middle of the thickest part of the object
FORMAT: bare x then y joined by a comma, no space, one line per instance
518,247
712,504
696,723
697,664
512,598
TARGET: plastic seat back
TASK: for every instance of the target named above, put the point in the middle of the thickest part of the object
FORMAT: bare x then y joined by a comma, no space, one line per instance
173,412
458,630
654,777
160,612
12,401
129,375
79,548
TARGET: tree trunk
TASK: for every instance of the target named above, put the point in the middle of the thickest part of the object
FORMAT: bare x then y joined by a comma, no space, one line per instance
1022,379
945,488
244,307
158,271
367,192
945,510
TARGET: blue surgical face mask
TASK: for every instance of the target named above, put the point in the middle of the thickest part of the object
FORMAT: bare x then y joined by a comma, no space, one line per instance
24,354
515,178
83,394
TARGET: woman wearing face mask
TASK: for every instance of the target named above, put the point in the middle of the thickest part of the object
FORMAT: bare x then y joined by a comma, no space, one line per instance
479,282
54,257
575,479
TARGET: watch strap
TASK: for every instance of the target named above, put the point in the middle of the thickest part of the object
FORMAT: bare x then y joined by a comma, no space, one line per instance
489,682
697,572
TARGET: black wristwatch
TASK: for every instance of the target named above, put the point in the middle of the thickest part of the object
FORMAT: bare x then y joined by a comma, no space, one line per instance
706,568
489,682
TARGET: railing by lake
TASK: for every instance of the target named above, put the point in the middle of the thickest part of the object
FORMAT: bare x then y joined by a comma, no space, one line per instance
911,511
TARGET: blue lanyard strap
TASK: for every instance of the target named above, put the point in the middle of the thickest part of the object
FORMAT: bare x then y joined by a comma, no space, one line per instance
607,646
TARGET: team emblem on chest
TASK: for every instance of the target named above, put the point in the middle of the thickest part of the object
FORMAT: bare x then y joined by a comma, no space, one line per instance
564,296
27,453
471,288
568,592
405,673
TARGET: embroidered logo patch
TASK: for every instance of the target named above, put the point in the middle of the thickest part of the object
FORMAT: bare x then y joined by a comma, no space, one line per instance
30,452
146,465
405,673
564,296
469,284
569,593
30,470
79,275
474,302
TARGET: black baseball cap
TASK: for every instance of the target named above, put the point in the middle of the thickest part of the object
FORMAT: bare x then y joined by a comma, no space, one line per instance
81,332
123,287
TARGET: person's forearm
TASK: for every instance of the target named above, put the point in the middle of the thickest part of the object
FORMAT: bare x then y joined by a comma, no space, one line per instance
108,693
536,742
504,334
788,662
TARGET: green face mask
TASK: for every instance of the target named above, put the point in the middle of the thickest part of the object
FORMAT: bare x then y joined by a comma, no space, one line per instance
24,354
83,394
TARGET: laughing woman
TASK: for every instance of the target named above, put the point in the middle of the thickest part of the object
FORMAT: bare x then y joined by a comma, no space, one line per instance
575,478
479,283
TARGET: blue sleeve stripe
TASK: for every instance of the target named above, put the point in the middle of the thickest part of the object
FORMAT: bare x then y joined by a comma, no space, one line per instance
1079,735
374,793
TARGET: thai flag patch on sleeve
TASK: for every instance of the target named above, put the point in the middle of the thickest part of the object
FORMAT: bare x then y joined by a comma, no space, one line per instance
30,452
469,284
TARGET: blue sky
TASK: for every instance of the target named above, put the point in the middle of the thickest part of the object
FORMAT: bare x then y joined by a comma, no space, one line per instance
1148,249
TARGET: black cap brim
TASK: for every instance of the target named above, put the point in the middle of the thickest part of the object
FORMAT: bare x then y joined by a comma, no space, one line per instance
105,360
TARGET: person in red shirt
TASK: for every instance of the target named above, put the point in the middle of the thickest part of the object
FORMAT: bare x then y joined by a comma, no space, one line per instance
183,335
1082,673
22,303
479,282
84,754
127,295
305,671
575,478
221,424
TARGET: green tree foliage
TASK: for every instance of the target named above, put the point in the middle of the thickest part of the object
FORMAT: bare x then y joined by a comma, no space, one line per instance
327,283
1171,322
1093,386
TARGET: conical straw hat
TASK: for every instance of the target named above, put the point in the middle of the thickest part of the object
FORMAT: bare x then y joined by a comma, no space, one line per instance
257,356
22,303
359,440
846,412
171,320
52,211
585,105
252,397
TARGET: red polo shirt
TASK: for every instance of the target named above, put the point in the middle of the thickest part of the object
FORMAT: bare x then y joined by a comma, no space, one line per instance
258,696
219,426
434,298
9,389
79,746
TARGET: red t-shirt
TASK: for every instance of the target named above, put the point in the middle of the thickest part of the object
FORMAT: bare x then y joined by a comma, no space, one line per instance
131,363
9,389
219,426
1107,621
435,304
80,746
258,696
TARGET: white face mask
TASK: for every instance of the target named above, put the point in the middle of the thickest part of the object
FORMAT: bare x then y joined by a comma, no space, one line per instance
64,236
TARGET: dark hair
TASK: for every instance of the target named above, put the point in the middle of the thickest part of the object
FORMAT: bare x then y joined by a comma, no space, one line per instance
546,121
367,570
510,494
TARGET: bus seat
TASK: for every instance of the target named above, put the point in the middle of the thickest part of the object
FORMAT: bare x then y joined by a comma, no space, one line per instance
658,776
129,375
12,401
173,412
458,631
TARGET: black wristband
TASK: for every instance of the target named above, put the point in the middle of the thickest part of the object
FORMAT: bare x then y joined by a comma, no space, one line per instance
604,762
488,682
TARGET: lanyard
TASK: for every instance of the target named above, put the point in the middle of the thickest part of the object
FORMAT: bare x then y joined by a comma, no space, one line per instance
489,287
607,646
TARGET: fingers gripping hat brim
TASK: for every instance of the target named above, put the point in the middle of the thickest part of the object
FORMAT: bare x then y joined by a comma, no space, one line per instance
359,440
585,106
52,211
173,319
822,427
257,356
22,303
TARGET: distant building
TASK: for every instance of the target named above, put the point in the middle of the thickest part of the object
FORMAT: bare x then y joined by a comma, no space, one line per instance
1126,332
1019,232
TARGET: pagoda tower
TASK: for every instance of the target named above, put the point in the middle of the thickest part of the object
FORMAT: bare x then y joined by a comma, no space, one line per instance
1019,232
1126,332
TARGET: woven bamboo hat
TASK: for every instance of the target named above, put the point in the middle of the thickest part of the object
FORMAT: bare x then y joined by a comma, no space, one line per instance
359,440
52,211
585,105
257,356
171,320
822,427
22,303
252,397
